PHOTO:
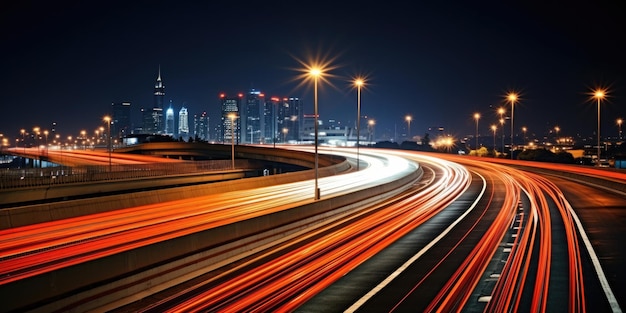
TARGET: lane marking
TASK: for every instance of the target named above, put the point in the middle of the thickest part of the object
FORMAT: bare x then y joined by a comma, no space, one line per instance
414,258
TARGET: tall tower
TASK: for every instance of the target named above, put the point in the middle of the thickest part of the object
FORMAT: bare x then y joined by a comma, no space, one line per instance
183,123
159,95
169,121
230,127
291,116
201,126
121,123
252,121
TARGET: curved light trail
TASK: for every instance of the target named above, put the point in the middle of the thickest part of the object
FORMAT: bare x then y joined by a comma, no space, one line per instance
36,249
325,254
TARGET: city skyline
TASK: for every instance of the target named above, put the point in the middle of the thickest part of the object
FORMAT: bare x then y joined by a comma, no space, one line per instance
440,64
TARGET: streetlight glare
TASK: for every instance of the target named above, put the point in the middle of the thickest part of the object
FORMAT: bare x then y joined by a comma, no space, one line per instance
315,72
512,97
599,94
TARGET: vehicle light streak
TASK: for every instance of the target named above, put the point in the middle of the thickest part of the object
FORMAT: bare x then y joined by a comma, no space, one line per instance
36,249
293,278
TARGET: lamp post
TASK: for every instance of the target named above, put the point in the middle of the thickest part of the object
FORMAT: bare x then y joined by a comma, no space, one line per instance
494,128
619,129
45,132
232,117
476,117
83,134
408,121
512,97
315,73
599,94
358,82
109,148
371,124
524,130
285,131
274,123
501,113
556,132
23,132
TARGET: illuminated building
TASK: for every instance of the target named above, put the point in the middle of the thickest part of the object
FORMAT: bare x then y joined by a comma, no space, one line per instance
121,121
183,123
230,105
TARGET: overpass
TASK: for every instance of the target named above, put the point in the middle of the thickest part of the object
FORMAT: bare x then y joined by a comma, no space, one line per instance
130,274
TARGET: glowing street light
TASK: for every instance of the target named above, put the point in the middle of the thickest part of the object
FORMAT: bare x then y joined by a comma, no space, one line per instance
285,131
23,132
556,131
512,97
107,119
476,117
501,112
358,83
45,132
316,72
619,128
371,124
599,94
408,121
232,117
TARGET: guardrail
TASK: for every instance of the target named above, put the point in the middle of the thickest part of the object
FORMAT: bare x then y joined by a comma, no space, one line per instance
38,177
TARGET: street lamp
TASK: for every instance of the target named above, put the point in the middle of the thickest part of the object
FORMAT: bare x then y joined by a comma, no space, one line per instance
599,94
408,121
476,117
23,131
524,130
512,97
274,121
285,131
501,113
45,132
494,128
109,148
83,134
556,131
316,72
232,117
358,82
619,129
371,124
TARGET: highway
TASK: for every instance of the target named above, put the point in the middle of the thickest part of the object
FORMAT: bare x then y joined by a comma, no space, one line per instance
470,236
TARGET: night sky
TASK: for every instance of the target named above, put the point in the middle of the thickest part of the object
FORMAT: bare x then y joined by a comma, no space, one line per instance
67,61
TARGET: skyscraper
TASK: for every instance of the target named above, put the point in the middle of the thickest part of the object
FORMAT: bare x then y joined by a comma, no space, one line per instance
291,116
121,120
152,120
252,122
169,121
270,113
183,123
159,95
201,127
230,126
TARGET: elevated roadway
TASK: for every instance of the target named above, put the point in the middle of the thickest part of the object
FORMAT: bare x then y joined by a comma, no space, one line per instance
140,255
